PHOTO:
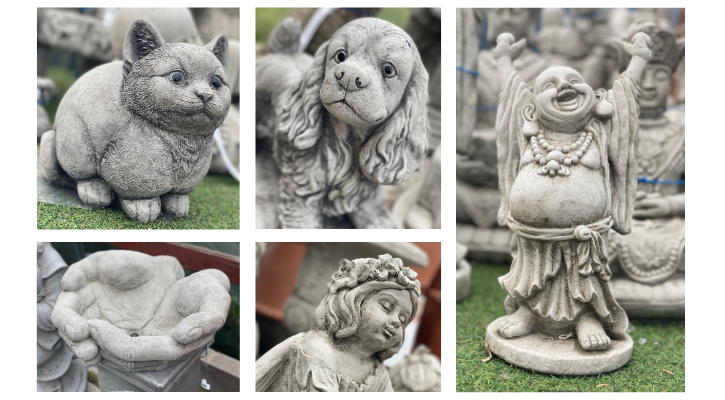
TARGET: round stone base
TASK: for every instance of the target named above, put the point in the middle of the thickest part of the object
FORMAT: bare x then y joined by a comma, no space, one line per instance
548,355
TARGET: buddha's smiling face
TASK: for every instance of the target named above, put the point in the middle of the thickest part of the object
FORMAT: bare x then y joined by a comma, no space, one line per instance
564,103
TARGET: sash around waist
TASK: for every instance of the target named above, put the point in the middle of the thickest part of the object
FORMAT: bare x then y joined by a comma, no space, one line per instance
580,232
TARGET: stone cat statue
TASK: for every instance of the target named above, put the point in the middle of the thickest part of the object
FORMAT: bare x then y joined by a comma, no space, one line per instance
141,129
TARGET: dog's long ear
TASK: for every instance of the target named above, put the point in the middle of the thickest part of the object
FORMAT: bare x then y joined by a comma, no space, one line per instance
397,148
302,112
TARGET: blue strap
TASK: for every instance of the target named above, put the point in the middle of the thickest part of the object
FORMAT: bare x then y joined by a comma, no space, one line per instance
361,12
646,180
470,71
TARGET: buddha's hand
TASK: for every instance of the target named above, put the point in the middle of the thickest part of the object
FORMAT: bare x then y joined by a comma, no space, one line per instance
505,46
640,46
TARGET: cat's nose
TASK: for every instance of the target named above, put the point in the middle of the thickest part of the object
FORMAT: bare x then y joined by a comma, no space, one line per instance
351,77
203,94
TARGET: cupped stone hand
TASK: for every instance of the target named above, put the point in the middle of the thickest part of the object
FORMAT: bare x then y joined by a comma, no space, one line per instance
137,311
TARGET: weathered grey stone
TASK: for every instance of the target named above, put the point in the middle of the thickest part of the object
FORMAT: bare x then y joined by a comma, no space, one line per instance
75,33
127,129
350,123
463,280
57,371
419,205
212,22
176,25
557,356
139,313
184,376
420,371
46,91
649,263
468,27
560,144
424,28
360,323
321,260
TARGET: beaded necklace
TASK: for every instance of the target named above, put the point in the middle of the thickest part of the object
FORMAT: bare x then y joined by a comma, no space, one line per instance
551,161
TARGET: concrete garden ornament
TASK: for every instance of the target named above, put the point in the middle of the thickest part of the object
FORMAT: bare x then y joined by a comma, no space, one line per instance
134,312
360,323
567,171
649,264
141,129
354,120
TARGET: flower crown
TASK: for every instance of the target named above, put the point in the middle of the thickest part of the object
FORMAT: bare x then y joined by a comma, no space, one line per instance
385,269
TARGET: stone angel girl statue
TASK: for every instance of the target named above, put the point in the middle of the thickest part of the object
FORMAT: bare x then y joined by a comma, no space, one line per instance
360,323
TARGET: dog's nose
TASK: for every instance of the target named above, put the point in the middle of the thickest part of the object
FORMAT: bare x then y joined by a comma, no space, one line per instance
351,77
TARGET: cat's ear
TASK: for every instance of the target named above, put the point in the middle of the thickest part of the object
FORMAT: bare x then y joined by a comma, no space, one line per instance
142,39
219,47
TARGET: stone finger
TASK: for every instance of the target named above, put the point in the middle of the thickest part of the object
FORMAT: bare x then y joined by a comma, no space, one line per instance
66,317
197,325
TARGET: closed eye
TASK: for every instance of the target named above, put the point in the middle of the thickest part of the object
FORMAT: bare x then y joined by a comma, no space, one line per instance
386,305
574,81
549,86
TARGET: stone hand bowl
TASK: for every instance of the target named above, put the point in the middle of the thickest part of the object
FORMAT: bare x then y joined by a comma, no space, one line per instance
137,312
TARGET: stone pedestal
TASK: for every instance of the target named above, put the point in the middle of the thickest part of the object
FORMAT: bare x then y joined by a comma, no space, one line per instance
639,300
541,353
182,377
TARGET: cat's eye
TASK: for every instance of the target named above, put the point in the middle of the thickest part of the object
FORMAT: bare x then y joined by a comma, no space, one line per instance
340,56
216,81
388,70
177,77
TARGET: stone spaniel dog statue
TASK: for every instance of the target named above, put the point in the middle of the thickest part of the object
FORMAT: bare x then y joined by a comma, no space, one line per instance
345,122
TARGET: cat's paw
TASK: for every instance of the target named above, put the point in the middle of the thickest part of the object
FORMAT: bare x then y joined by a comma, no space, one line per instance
95,193
175,205
142,211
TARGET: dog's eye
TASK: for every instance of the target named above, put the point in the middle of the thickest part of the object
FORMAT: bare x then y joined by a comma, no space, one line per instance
388,71
177,77
216,81
340,56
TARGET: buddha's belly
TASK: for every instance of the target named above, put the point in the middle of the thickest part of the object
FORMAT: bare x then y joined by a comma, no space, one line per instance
558,202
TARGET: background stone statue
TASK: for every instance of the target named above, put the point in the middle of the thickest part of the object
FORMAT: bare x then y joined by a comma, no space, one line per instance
360,323
356,119
58,370
564,143
477,194
141,129
649,263
134,312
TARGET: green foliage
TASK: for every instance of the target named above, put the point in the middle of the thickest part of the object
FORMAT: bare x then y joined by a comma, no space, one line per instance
214,204
266,20
664,349
397,16
63,79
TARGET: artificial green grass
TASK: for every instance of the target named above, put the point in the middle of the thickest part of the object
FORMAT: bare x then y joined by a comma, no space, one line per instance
214,204
664,349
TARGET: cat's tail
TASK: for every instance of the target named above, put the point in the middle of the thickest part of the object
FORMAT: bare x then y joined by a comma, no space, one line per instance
52,171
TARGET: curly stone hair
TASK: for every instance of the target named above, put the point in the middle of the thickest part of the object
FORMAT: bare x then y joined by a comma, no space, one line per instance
339,313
